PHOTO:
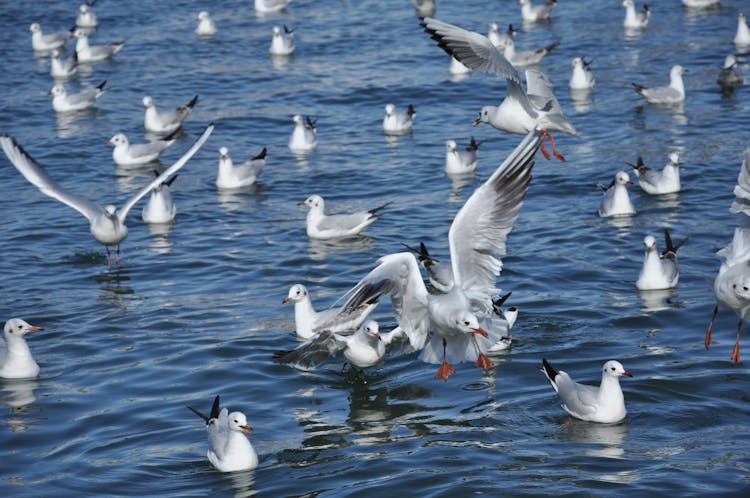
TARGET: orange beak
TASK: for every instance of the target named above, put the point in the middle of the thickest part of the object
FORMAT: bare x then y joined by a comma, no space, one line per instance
34,327
285,300
377,336
246,429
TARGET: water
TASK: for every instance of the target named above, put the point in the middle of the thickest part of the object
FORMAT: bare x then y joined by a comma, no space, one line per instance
195,310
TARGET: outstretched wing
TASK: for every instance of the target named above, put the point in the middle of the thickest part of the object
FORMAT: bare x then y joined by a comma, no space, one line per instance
476,51
123,213
313,352
36,175
397,275
479,230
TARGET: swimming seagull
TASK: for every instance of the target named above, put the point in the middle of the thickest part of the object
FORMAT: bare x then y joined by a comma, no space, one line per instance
457,68
127,154
165,122
16,361
653,182
87,17
672,94
282,43
509,315
232,176
633,19
700,4
531,13
424,7
362,349
440,275
94,53
742,35
62,68
323,226
659,271
309,322
62,101
160,207
107,223
229,450
445,326
305,135
528,57
42,43
616,201
497,39
604,404
581,78
269,6
398,123
206,26
742,189
731,74
461,161
519,112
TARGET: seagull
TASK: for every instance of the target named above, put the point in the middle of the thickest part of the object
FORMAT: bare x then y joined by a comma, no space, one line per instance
95,53
497,39
532,13
269,6
309,323
43,43
107,223
16,361
672,94
633,19
654,182
398,123
282,43
700,4
160,208
127,154
616,201
742,189
233,176
62,101
732,284
228,448
731,74
305,135
582,78
87,17
165,122
322,226
741,37
509,315
440,275
362,349
445,326
457,68
206,26
604,404
460,161
659,271
424,7
525,58
519,113
62,68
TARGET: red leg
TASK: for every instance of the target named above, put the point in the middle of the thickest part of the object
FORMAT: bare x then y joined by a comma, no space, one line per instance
483,361
118,254
445,369
735,357
707,340
543,148
554,150
109,257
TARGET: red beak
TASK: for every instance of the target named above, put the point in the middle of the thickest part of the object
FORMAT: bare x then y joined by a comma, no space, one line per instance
477,121
481,331
301,203
627,374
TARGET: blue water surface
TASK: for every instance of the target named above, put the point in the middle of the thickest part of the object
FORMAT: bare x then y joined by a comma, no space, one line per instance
194,310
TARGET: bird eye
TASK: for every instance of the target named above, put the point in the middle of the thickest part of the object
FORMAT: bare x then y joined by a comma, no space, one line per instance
466,323
613,369
734,286
744,287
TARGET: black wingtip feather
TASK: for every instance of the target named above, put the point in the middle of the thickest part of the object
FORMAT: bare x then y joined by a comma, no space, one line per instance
215,408
549,370
262,154
192,103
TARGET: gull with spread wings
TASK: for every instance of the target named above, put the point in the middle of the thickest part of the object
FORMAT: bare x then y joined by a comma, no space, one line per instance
445,326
